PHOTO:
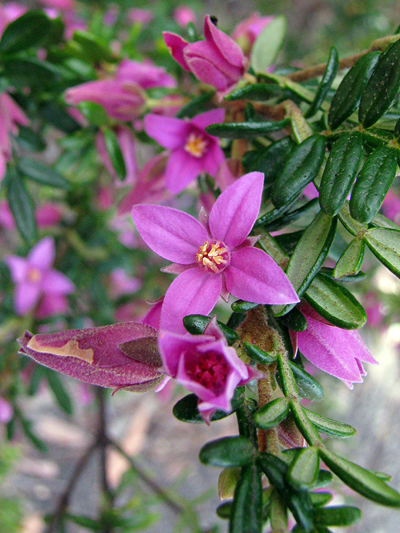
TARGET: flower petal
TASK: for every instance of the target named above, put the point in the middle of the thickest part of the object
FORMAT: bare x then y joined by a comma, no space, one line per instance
192,292
26,296
213,159
18,267
54,282
42,255
255,277
215,116
174,235
230,50
182,168
176,45
236,209
169,132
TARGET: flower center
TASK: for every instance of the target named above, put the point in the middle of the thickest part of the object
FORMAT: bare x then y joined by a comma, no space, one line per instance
196,144
211,370
213,256
34,275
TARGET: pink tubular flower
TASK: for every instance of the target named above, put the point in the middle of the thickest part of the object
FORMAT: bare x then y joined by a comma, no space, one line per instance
193,151
121,356
10,116
247,31
145,73
213,258
183,15
34,278
205,365
337,351
217,61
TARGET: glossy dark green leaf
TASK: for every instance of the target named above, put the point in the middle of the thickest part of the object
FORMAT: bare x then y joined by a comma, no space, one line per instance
227,451
256,92
360,480
309,209
325,83
257,355
114,153
308,387
340,172
373,183
240,306
335,303
302,166
294,320
196,324
296,499
31,29
330,427
41,173
195,106
274,214
246,511
268,44
385,245
376,137
22,208
335,515
324,479
61,395
272,414
347,97
94,49
351,260
382,87
224,510
246,130
95,113
59,118
270,160
186,410
319,499
30,140
303,471
31,72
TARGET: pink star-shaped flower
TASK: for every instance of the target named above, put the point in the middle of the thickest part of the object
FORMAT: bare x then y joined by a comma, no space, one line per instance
215,257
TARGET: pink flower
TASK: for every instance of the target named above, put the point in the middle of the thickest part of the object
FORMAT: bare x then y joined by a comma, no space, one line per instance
205,365
46,215
122,284
217,61
10,116
247,31
193,151
183,15
334,350
118,356
391,206
66,5
6,411
215,257
126,141
34,278
143,16
145,73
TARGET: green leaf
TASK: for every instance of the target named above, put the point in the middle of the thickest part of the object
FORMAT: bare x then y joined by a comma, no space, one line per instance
59,391
319,499
256,92
270,160
310,208
335,303
297,500
385,245
308,387
31,72
268,44
303,472
224,510
246,130
326,82
347,97
114,153
382,88
95,113
27,429
30,140
272,414
240,306
22,208
41,173
31,29
246,511
227,451
196,324
330,427
324,479
340,172
373,183
360,480
59,118
309,255
186,409
302,166
351,260
259,356
342,516
195,106
294,320
94,49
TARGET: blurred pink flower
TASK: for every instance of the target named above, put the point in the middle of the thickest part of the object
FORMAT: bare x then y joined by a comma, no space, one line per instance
143,16
122,284
145,73
46,215
215,256
35,278
205,365
126,141
247,31
9,12
336,351
64,5
391,206
10,115
217,61
193,151
183,15
6,411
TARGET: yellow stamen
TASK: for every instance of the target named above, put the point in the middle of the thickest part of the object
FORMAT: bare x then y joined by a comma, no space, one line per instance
196,144
210,256
34,275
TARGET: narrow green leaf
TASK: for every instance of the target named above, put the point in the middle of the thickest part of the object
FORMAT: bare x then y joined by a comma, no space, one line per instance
310,208
31,29
257,92
22,208
319,499
373,183
196,324
302,166
385,245
271,414
114,153
351,260
246,511
382,88
224,510
94,49
240,306
95,113
195,106
246,130
341,516
270,160
294,320
360,480
303,472
186,410
227,451
326,82
335,303
330,427
59,391
32,72
308,387
41,173
268,44
324,479
259,356
347,97
27,428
